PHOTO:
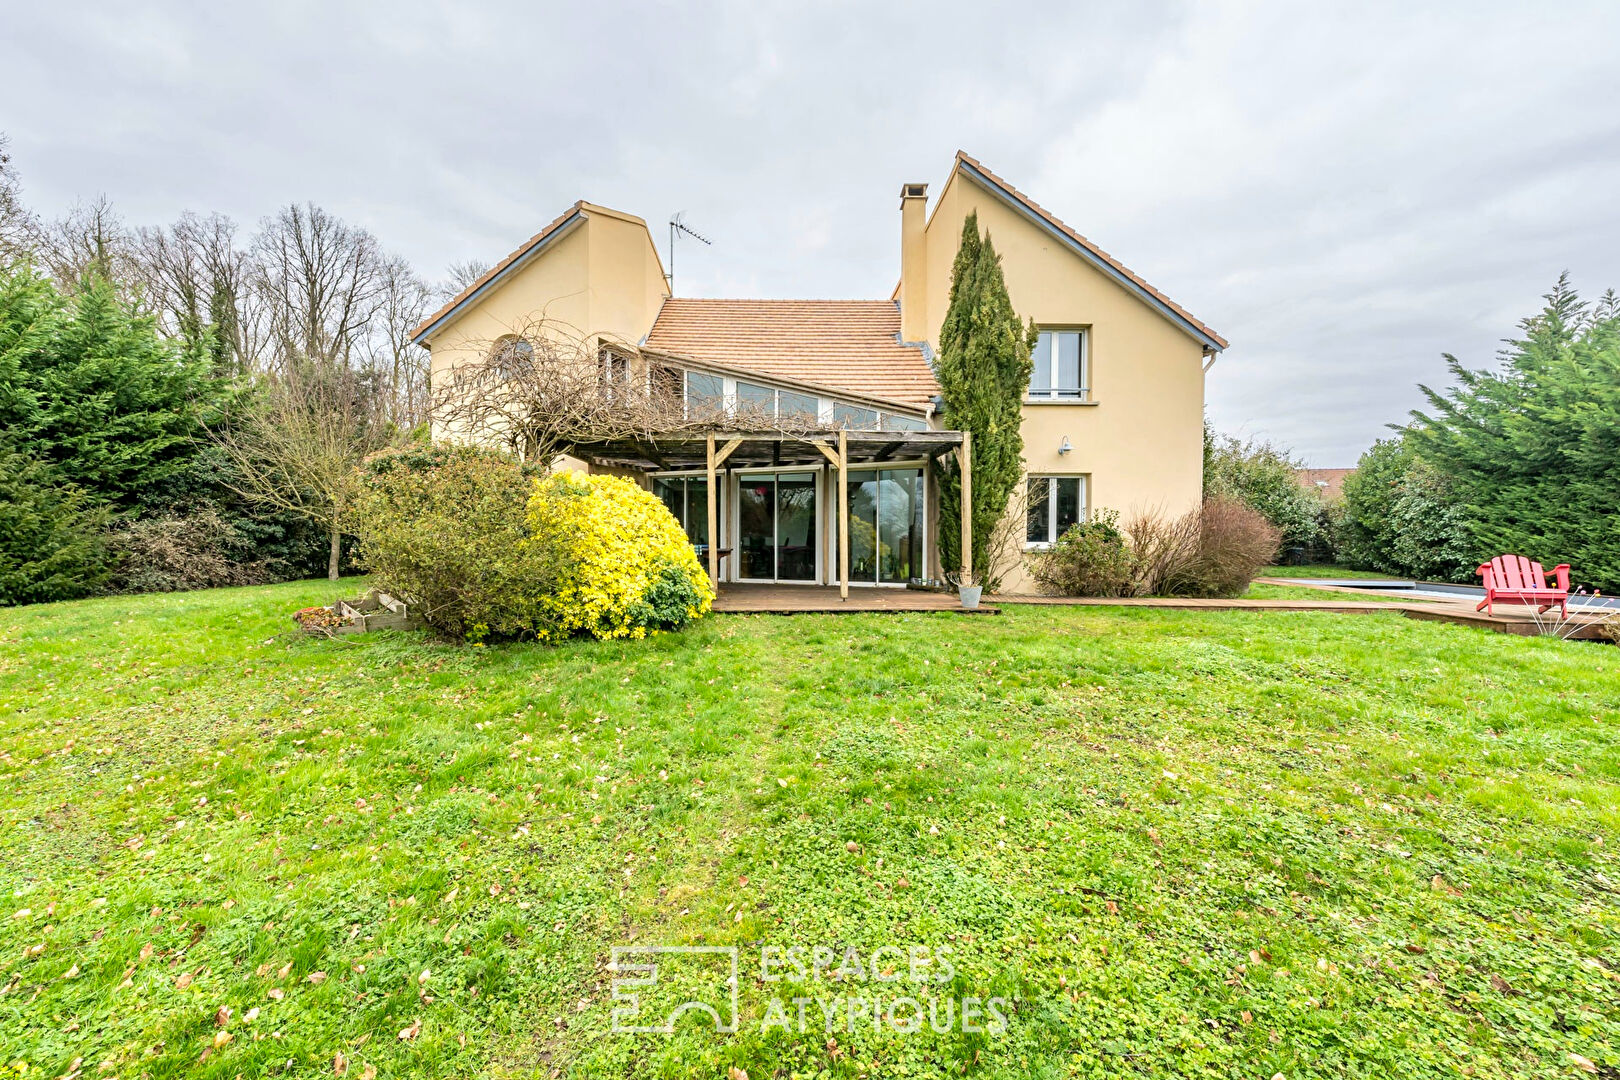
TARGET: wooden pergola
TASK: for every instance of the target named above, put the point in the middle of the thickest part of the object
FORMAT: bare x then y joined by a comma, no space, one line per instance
718,451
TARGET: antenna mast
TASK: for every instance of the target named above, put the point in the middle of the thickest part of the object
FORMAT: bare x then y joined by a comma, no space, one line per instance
677,225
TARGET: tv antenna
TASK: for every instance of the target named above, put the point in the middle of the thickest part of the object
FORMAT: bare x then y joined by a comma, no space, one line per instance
677,226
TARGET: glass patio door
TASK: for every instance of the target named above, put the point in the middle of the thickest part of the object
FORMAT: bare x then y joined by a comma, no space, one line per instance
776,527
885,526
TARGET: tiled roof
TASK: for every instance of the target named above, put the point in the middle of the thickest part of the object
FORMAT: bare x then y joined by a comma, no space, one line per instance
851,345
493,272
1120,268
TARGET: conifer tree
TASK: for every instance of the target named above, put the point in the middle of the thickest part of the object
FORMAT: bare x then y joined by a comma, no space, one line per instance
983,370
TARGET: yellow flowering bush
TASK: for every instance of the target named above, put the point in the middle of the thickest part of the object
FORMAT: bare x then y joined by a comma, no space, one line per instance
627,569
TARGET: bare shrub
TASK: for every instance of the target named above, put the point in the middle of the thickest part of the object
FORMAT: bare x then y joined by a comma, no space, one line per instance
1234,542
1215,550
1165,548
198,550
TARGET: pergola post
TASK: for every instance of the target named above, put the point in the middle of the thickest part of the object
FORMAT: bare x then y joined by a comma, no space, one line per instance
714,518
964,457
843,515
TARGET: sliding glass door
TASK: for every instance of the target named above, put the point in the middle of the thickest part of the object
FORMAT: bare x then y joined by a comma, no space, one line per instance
776,527
688,499
886,526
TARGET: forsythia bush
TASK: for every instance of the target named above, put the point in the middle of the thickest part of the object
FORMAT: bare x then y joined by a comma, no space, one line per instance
625,567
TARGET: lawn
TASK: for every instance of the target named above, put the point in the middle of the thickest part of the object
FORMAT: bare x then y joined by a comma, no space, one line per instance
1326,571
1263,591
1211,843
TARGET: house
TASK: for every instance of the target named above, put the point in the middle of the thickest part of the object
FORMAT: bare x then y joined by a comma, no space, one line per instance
1328,483
1113,416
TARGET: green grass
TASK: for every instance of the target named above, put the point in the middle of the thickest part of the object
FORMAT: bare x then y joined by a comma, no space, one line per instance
1262,591
1212,843
1326,571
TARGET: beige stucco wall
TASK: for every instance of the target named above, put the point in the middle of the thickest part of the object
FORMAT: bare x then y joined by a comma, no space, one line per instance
1141,442
601,279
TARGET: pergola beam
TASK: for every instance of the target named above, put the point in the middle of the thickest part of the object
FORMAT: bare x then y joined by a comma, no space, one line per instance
714,516
964,457
843,515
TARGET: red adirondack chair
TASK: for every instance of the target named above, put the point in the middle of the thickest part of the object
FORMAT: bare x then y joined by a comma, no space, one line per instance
1515,579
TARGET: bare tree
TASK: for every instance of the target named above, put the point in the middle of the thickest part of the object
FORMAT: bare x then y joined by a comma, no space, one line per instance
196,277
17,226
90,240
297,445
322,281
540,389
458,277
393,356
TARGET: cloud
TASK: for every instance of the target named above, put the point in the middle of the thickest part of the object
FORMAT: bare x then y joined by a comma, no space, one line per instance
1344,192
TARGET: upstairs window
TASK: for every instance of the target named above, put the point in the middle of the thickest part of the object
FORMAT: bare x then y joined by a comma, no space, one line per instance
1061,371
798,408
895,422
755,402
705,395
854,418
614,371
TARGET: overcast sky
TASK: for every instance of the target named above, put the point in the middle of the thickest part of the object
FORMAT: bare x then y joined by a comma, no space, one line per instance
1344,194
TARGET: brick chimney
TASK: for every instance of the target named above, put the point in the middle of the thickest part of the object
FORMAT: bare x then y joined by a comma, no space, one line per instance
913,263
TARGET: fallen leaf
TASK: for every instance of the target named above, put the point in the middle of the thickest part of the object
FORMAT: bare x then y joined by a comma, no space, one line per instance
146,951
71,973
1416,950
340,1064
1500,985
222,1016
369,1072
424,977
22,913
1246,1016
183,981
735,1073
411,1032
449,896
276,993
286,969
1581,1063
251,1015
317,977
222,1037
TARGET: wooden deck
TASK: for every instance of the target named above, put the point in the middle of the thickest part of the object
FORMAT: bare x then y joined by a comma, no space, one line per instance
797,599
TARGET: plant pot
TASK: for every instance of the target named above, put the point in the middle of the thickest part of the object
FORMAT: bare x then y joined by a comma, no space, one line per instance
970,596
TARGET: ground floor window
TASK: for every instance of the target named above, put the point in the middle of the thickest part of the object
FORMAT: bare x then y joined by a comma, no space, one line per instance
1054,504
688,499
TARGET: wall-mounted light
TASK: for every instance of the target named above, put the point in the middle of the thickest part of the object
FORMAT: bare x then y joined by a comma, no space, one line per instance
1065,446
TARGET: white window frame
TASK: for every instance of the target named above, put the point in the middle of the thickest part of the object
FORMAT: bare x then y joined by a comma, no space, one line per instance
1053,392
1051,506
825,406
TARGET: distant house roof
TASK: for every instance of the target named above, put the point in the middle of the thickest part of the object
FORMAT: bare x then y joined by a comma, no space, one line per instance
852,345
1329,482
1091,252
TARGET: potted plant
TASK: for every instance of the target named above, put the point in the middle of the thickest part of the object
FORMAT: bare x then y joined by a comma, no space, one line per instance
969,593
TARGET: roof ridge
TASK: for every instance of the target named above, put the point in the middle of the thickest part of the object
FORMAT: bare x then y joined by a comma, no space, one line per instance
1202,329
489,275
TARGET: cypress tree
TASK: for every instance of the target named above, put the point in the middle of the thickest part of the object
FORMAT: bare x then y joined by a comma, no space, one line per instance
983,370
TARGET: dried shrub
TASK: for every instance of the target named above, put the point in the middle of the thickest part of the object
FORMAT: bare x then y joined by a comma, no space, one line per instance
1090,559
1234,543
1215,550
201,549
